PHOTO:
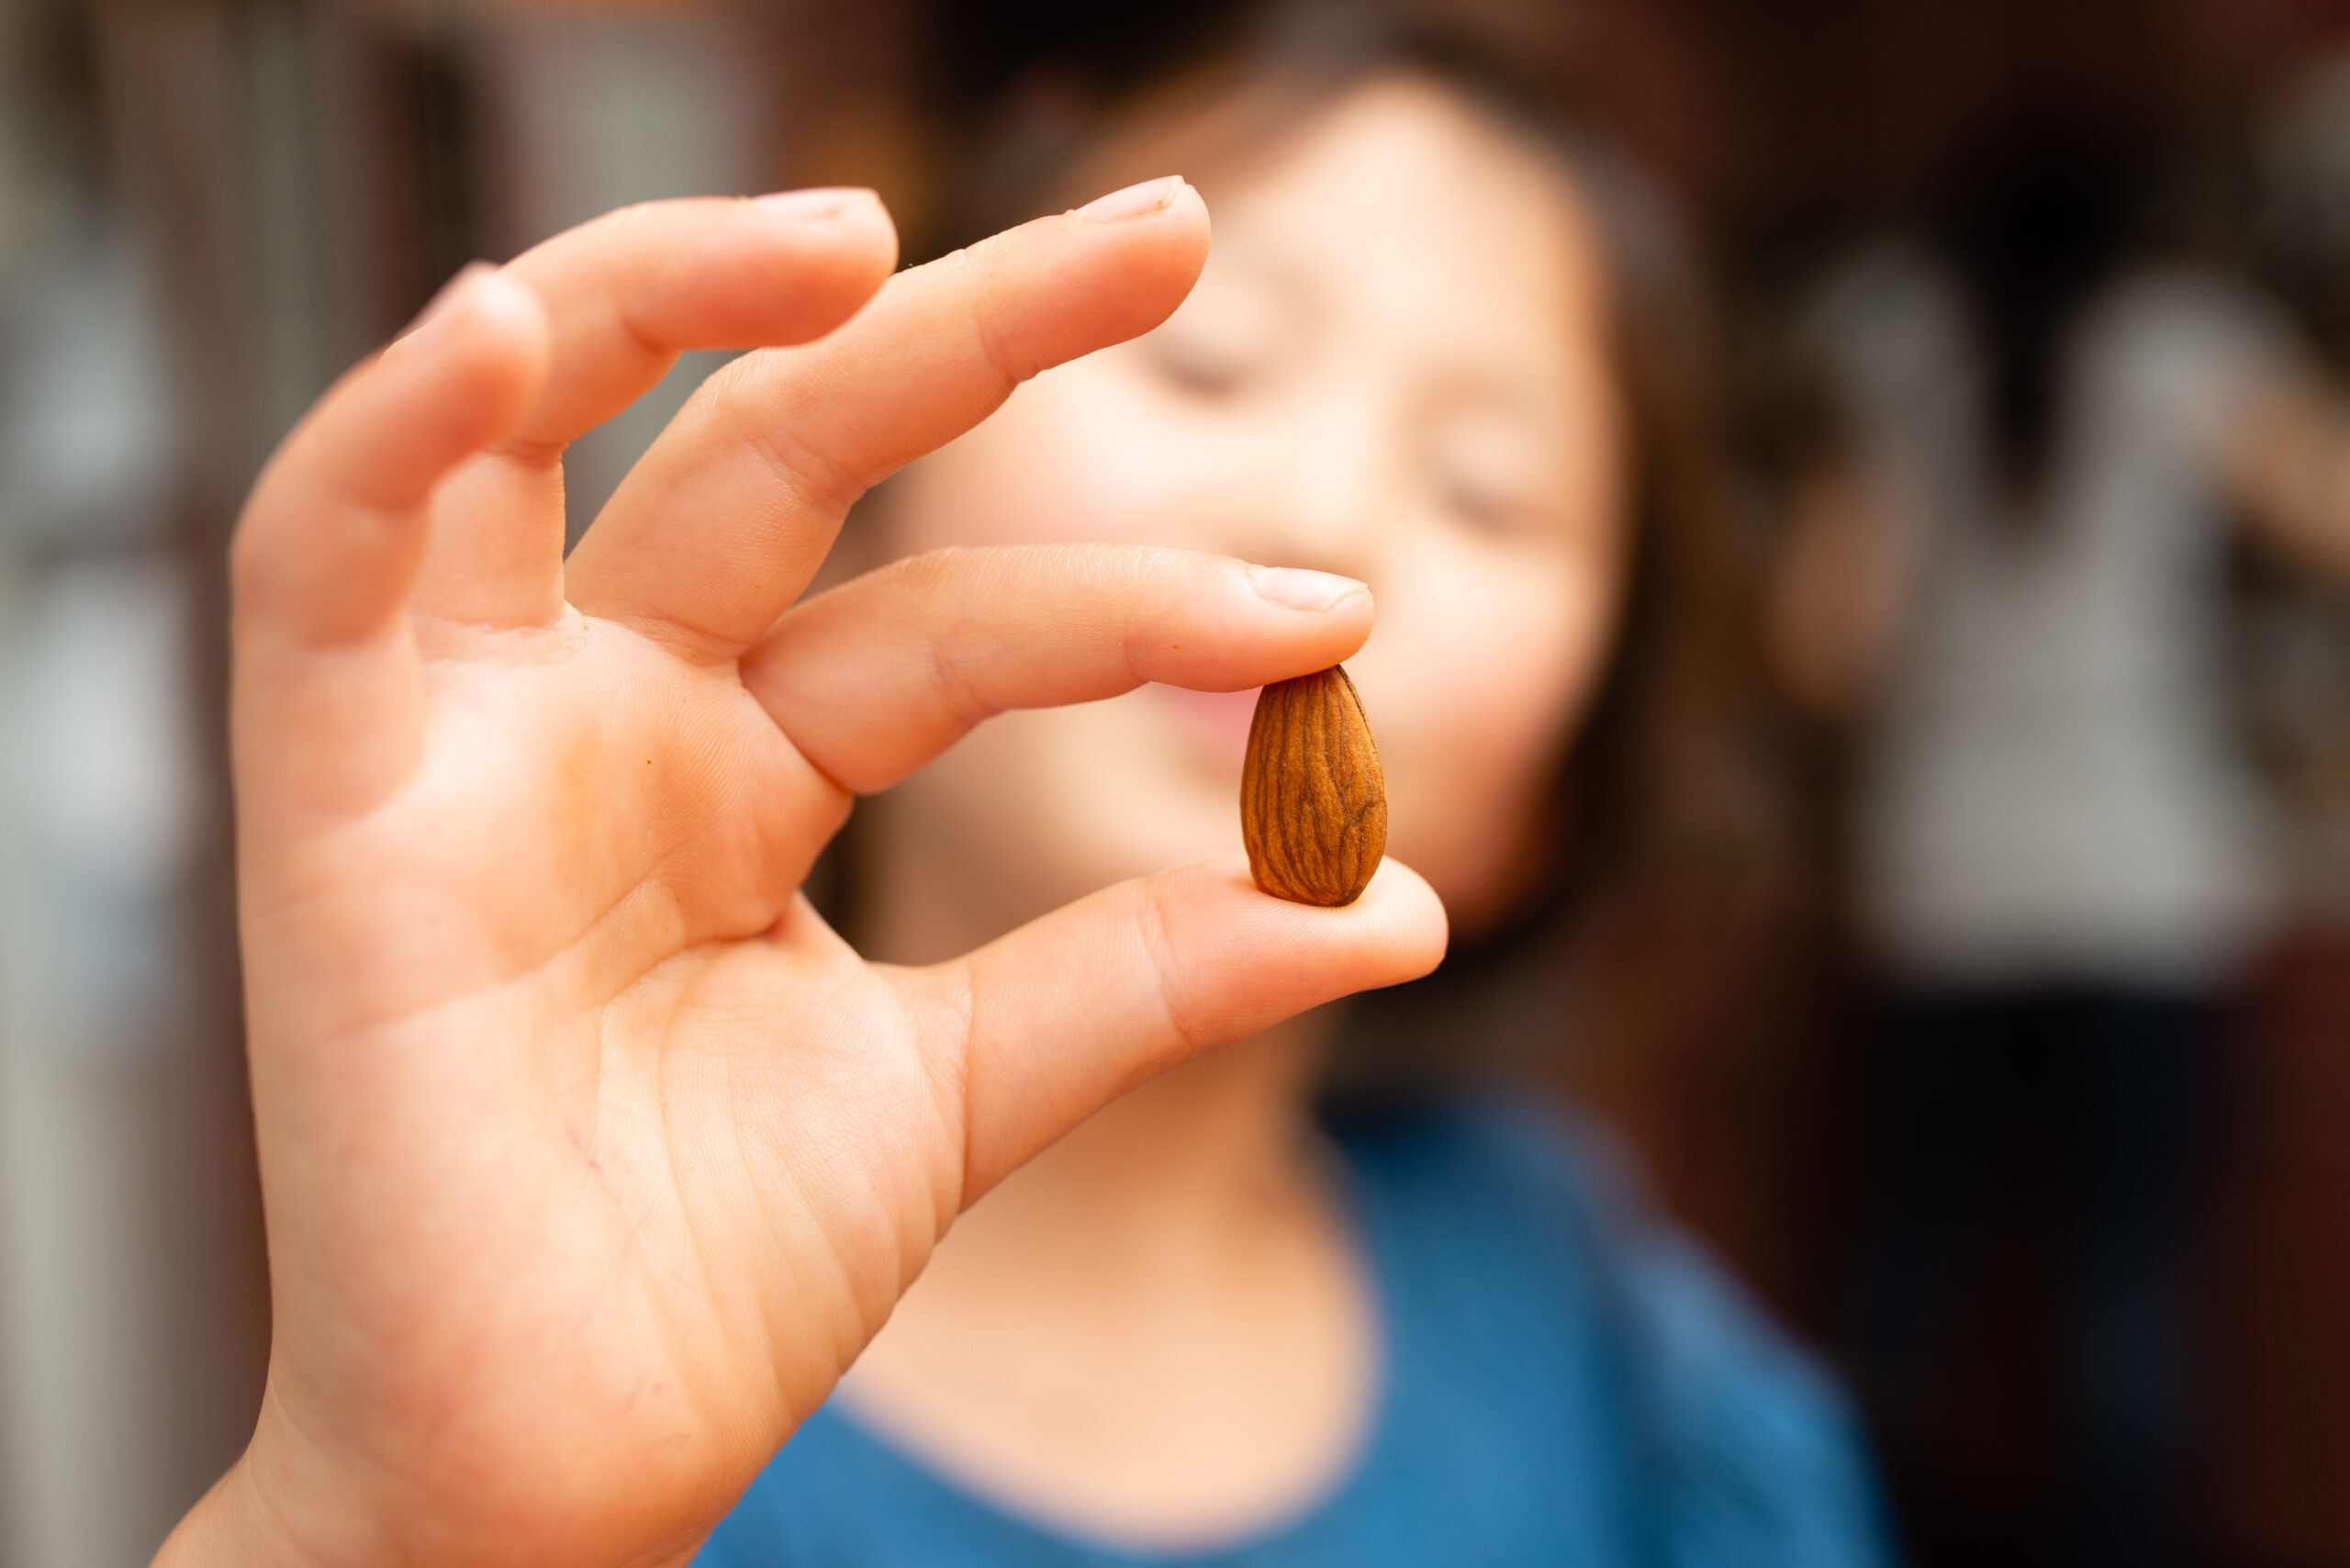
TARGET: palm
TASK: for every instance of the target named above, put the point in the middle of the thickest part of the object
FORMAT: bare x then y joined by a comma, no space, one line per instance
607,844
592,1156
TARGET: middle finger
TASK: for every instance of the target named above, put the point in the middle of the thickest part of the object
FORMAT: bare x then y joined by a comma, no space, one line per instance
721,526
625,295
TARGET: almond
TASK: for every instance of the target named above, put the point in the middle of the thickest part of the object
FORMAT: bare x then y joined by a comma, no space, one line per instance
1312,799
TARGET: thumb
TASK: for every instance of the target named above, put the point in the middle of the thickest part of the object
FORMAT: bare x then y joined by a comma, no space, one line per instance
1064,1014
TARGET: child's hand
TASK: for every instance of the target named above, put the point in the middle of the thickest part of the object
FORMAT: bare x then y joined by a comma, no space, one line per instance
592,1157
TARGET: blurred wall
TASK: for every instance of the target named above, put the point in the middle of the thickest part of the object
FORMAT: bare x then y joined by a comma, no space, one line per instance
131,1303
208,208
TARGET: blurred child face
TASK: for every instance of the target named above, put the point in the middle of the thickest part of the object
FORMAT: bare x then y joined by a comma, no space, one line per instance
1396,367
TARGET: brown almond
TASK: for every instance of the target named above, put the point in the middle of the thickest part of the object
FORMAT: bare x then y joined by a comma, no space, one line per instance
1312,799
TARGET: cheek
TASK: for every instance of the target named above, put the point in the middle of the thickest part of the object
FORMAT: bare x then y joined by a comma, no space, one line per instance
1480,670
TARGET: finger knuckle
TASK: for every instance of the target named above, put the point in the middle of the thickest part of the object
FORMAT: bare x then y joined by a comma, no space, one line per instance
818,480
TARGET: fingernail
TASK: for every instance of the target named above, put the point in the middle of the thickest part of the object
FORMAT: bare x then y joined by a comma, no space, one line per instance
1293,587
1135,200
813,205
447,297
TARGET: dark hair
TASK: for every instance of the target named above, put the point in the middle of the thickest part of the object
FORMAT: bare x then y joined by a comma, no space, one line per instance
1668,805
2037,222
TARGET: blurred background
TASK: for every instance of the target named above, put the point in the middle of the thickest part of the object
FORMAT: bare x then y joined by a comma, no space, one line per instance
209,207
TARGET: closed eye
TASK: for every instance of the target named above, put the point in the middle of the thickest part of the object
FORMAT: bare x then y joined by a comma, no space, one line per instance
1490,510
1198,367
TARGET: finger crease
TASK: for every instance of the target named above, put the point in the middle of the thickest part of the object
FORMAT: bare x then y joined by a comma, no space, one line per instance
1151,933
951,1092
531,452
821,482
954,689
985,334
624,318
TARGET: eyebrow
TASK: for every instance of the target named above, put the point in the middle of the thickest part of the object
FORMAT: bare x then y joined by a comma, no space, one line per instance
1264,264
1520,388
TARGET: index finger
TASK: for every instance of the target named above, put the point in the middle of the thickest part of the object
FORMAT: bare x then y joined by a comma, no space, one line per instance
720,527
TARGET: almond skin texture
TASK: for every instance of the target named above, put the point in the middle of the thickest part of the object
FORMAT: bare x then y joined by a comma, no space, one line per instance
1312,799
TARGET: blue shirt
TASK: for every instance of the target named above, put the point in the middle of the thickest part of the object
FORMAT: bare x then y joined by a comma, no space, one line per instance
1566,1380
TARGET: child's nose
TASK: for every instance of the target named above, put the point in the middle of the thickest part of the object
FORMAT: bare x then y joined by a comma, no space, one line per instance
1334,479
